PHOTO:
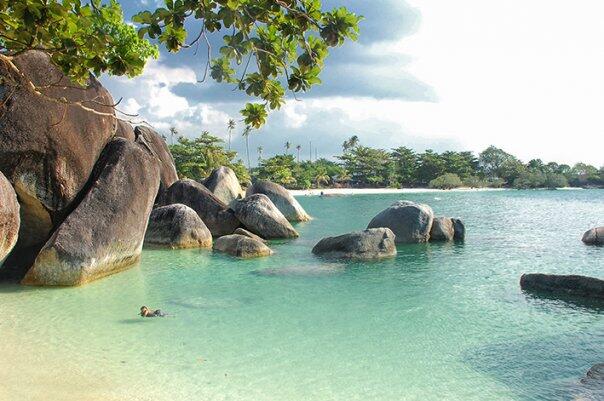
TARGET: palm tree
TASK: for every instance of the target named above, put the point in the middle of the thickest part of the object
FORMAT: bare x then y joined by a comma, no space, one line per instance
321,177
350,143
230,126
260,150
173,133
287,146
246,134
298,148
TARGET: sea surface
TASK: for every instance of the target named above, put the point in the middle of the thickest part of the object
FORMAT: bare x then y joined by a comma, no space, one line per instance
438,322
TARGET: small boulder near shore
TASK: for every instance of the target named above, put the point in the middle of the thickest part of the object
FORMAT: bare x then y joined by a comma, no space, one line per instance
9,217
223,183
259,215
373,243
215,213
595,236
241,246
243,231
447,229
409,221
570,285
177,226
282,198
105,233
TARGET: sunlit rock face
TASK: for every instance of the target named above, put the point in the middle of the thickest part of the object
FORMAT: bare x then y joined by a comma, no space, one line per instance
48,148
260,216
105,232
9,218
283,200
224,184
177,227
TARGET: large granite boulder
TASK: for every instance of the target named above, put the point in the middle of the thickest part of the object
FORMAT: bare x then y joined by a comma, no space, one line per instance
571,285
442,229
595,236
104,234
374,243
124,130
215,214
9,218
47,148
409,221
158,147
241,246
223,183
177,226
283,200
259,215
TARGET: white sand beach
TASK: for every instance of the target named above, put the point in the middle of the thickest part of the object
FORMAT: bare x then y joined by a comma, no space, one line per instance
374,191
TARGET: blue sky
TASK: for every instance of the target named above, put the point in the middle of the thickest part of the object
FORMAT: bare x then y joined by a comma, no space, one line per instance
461,75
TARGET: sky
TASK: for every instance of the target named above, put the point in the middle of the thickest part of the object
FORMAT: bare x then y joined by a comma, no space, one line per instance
525,76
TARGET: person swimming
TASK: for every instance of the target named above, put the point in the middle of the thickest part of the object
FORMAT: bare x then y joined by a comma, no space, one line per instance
146,312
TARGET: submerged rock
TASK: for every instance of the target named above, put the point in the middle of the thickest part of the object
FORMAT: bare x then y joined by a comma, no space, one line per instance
442,229
569,285
300,271
9,218
48,149
223,183
241,246
243,231
282,199
592,385
219,219
104,234
259,215
373,243
409,221
177,226
595,236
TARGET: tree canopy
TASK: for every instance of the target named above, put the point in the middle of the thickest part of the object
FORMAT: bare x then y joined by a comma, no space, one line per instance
268,45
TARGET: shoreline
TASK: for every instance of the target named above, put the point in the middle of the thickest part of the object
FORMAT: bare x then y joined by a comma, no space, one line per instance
382,191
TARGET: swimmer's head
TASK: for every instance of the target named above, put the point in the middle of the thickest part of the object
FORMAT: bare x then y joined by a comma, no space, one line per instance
144,310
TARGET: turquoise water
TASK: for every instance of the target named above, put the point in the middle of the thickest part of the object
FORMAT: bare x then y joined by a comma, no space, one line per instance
438,322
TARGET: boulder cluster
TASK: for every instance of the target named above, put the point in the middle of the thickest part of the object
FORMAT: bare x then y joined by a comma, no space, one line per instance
81,192
404,222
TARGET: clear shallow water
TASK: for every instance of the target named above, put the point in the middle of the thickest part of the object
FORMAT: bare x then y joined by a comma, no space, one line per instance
439,322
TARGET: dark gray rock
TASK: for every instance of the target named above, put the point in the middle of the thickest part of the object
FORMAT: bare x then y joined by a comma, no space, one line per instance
104,234
259,215
409,221
177,226
570,285
9,218
241,246
48,149
459,230
592,385
595,236
374,243
223,183
281,198
158,147
442,229
215,214
243,231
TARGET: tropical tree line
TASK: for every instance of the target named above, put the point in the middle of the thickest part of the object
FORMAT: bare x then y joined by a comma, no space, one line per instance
363,166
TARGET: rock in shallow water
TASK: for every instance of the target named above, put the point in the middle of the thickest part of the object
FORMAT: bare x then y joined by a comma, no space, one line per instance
177,226
374,243
595,236
243,231
9,217
569,285
219,219
104,234
241,246
409,221
259,215
283,200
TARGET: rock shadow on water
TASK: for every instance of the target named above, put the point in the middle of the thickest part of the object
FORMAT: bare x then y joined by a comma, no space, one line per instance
556,303
300,271
548,368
